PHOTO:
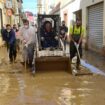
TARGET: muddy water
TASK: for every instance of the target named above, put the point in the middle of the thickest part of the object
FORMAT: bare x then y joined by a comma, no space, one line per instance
19,87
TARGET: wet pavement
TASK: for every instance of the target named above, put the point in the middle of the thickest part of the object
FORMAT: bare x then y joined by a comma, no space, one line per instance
19,87
95,59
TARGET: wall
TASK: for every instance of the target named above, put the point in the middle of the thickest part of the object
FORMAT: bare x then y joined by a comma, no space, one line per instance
0,14
1,7
65,2
55,5
4,17
70,8
46,6
104,28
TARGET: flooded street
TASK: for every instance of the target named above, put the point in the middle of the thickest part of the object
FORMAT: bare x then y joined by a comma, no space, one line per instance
19,87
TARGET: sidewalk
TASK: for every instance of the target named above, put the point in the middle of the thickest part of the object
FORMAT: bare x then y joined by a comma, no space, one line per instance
94,59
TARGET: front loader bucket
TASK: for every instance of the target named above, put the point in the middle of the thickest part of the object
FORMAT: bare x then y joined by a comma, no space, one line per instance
53,63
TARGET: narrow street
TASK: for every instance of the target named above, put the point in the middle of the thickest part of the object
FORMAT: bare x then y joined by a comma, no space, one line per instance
19,87
41,30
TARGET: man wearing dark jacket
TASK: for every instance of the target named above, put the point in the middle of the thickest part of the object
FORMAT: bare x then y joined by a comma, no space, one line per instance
63,33
10,39
48,36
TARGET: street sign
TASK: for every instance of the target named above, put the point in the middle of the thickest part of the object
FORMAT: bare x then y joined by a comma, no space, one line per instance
9,12
9,4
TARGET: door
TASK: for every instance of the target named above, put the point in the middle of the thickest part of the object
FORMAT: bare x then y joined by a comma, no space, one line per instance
95,26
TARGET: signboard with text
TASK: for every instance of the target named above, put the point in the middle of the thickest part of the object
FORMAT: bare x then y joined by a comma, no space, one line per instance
9,12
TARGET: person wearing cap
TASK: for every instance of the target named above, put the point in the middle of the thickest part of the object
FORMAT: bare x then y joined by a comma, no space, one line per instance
76,33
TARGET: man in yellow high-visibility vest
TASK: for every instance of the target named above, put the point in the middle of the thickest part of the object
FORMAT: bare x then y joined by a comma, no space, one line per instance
76,35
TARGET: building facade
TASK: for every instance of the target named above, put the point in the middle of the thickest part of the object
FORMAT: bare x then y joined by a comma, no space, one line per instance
92,14
39,6
3,18
9,11
55,8
20,13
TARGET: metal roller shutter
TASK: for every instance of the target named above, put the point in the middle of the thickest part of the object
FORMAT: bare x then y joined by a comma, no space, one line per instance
95,23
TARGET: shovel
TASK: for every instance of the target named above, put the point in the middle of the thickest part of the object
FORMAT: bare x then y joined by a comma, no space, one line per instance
77,51
74,70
